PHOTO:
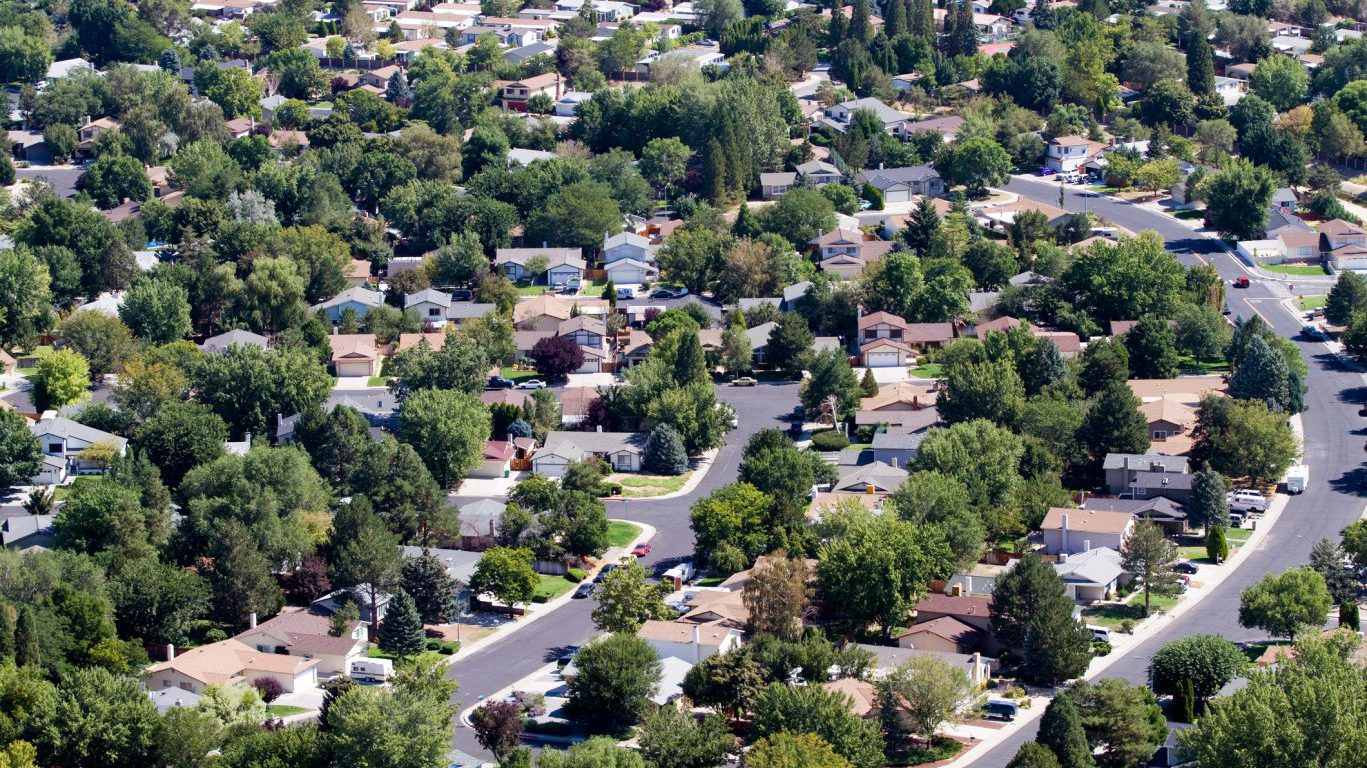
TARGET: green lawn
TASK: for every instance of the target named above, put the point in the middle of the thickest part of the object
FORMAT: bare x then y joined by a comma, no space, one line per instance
1294,269
651,485
711,581
941,748
531,290
375,653
1112,614
1189,214
284,710
517,376
928,371
621,534
1312,302
377,381
551,587
1189,364
1237,537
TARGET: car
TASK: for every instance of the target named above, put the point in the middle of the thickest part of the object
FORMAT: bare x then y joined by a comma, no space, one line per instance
1236,520
996,709
626,293
1312,332
661,293
1241,281
1246,500
1046,171
498,382
584,590
642,549
603,573
568,655
682,292
532,384
1185,567
462,294
744,381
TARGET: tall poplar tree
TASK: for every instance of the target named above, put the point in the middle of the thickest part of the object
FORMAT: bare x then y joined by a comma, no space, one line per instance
1200,65
895,18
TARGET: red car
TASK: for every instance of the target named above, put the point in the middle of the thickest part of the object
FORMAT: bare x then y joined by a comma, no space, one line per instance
641,550
1241,281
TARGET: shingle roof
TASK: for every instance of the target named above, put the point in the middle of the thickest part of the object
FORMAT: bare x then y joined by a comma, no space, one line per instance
1086,520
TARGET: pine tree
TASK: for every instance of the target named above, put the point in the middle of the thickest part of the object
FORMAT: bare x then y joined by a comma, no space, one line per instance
714,173
397,90
1184,701
665,453
950,38
1057,646
839,24
1207,506
1261,375
965,31
868,386
1043,16
1114,423
861,28
1349,617
1217,546
402,633
26,648
925,21
922,227
433,590
169,61
1061,731
6,633
895,18
1200,65
746,224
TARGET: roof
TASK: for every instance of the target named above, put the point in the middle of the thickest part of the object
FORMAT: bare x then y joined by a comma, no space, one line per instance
307,631
553,306
1169,409
896,441
928,333
582,323
1153,508
1064,341
1100,565
435,340
1191,387
460,564
1145,462
709,607
1339,227
882,477
901,393
710,634
498,450
556,257
1003,324
353,346
945,124
226,660
575,401
778,179
883,178
428,296
353,294
837,235
60,426
673,670
577,445
956,605
222,341
878,318
890,656
1086,520
1159,481
509,396
885,113
873,344
862,695
946,627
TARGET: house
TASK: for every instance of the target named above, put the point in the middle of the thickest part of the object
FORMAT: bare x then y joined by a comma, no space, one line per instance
1066,154
947,126
945,635
902,185
525,52
460,564
897,449
696,56
873,478
429,305
1072,531
1090,575
1240,72
359,595
1170,515
355,354
359,300
379,78
517,93
224,341
546,312
1337,233
496,462
710,338
1171,418
980,579
631,272
53,470
307,634
724,607
839,116
976,667
886,353
622,450
973,610
1122,469
58,70
861,695
908,405
1173,485
64,439
22,532
92,130
562,264
575,403
520,157
689,641
173,698
230,662
849,242
479,523
818,173
880,325
628,245
775,185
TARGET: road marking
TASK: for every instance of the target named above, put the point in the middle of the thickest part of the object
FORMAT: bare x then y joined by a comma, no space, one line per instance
1249,302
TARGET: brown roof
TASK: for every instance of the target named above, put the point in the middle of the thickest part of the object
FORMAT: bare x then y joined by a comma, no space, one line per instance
507,396
912,394
575,401
1087,520
951,605
226,660
877,318
307,632
1188,388
863,697
928,333
1066,341
1000,324
555,306
710,607
946,627
498,449
435,340
353,346
711,633
1340,227
873,344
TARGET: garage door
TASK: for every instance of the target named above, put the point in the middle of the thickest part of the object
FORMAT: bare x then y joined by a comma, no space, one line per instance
901,195
881,359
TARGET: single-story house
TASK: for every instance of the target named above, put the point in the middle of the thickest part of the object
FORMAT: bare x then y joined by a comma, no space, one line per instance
355,355
818,173
307,634
1072,531
980,579
546,312
688,641
977,667
908,405
220,343
460,564
874,478
230,662
1090,575
902,185
497,457
24,531
898,449
479,523
360,595
622,450
358,299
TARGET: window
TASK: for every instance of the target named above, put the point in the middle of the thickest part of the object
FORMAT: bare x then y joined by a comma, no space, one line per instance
1140,492
1159,434
54,447
433,311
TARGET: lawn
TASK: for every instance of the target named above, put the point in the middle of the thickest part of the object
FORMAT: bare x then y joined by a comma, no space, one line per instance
376,653
621,534
710,581
1237,537
1312,302
284,710
1112,614
928,371
646,486
550,587
942,748
517,376
1189,364
1295,269
377,381
532,290
1189,214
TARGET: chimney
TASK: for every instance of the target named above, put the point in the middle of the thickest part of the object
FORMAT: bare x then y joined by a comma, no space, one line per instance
170,651
598,428
894,462
697,645
1063,557
1086,545
251,620
1063,542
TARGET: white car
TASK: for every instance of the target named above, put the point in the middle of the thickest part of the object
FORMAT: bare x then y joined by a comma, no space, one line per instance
532,384
1246,501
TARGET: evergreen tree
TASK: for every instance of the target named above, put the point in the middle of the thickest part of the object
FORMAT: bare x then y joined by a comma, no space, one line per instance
6,633
1043,16
397,89
868,386
1349,616
1032,755
965,32
1183,707
861,28
922,227
665,453
924,26
1261,375
747,225
1114,423
1061,731
402,633
1200,65
26,648
1217,546
839,24
895,18
433,590
948,40
1207,506
1152,348
714,179
1057,646
169,61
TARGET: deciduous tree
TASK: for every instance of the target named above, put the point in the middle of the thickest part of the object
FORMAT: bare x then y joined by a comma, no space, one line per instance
1282,604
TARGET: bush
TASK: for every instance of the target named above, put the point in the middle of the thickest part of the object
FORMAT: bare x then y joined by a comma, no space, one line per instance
1127,626
864,433
1100,648
551,728
433,645
539,599
576,575
610,489
449,648
269,688
830,440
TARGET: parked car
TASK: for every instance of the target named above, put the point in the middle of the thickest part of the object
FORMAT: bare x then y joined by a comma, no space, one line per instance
532,384
1185,567
1046,171
626,293
680,293
1100,633
1311,332
1246,500
498,382
661,293
1241,281
744,381
462,294
602,574
1236,520
997,709
641,550
584,590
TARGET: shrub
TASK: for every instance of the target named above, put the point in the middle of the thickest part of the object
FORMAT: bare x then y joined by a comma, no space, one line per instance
576,575
864,433
269,688
610,489
830,440
449,648
433,645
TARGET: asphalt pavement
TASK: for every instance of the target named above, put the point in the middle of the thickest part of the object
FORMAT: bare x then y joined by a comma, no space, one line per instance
502,664
1334,438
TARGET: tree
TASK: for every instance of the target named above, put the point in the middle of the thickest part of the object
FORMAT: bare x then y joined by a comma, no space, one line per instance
981,389
180,436
402,633
799,215
1152,348
626,600
26,296
1217,548
1032,755
1206,662
981,455
1237,199
1061,732
232,704
920,695
664,162
674,738
1168,103
365,555
248,387
793,750
1114,423
616,677
790,343
60,378
1029,589
1124,723
106,720
1348,295
1148,557
1207,506
1243,438
1262,375
113,178
597,752
664,452
1281,80
498,726
977,162
1200,65
433,590
816,710
1202,332
557,356
406,726
1330,561
1283,603
448,429
104,341
1057,646
777,597
21,456
830,375
737,357
506,574
578,215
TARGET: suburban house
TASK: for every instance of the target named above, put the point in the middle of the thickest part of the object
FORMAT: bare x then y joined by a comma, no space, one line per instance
1344,245
24,531
724,606
498,456
975,666
546,312
897,449
1122,470
696,56
479,523
773,185
873,478
688,641
902,185
839,116
562,264
623,451
516,94
355,354
628,245
223,341
1066,154
92,130
1073,531
65,440
1091,575
818,173
945,634
590,334
886,353
357,299
947,126
429,305
845,251
909,405
230,662
306,634
359,595
1171,420
980,579
631,271
1170,515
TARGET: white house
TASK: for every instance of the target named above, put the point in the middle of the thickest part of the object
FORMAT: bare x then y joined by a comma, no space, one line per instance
64,439
1090,575
429,306
358,299
622,450
230,662
690,642
306,634
631,271
838,116
1073,531
818,173
1066,154
628,245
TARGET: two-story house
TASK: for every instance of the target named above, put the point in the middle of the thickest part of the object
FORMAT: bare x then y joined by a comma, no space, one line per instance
1066,154
818,173
64,439
562,264
517,93
902,185
839,116
629,259
845,252
590,334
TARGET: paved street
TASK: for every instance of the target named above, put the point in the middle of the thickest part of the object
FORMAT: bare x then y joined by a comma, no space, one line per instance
504,663
1334,436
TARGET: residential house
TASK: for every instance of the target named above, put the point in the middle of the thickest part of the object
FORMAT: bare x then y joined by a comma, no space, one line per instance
546,312
521,157
628,245
980,579
517,93
1241,71
355,354
1072,531
359,300
897,449
224,341
562,264
1122,469
379,78
65,68
437,308
1172,420
92,130
908,405
1230,90
873,478
839,116
818,173
24,531
623,451
498,455
1168,514
886,353
946,125
697,56
460,564
902,185
479,523
525,342
230,662
64,439
524,52
1344,245
845,252
1066,154
359,595
358,273
945,635
575,403
861,695
591,335
976,667
775,185
905,82
631,271
1091,575
308,635
689,641
726,607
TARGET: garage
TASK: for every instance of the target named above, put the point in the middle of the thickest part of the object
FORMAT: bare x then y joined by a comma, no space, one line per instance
885,353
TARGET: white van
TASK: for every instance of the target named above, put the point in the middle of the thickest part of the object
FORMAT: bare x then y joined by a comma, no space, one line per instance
1100,633
1246,500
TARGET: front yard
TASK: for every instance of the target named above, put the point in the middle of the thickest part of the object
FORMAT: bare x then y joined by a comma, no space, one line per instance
642,486
517,376
621,534
928,371
1296,269
550,587
1112,615
1312,302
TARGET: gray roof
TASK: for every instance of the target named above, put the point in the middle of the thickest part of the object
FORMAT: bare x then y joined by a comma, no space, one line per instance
460,564
816,166
576,445
782,178
882,476
883,178
759,335
899,441
1158,481
796,291
468,310
1155,507
886,114
222,341
889,656
429,296
60,426
484,507
24,531
1095,566
981,301
518,55
171,698
1145,461
357,294
854,457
